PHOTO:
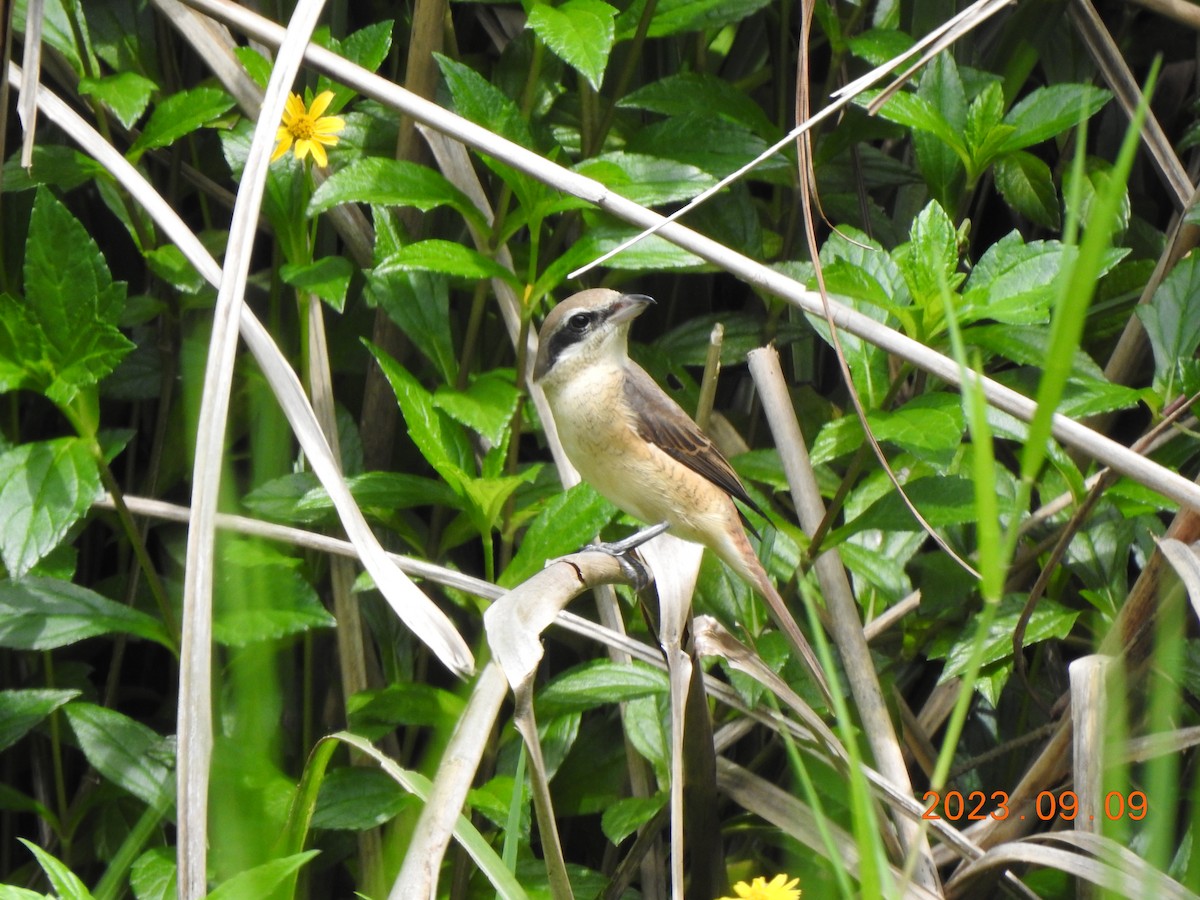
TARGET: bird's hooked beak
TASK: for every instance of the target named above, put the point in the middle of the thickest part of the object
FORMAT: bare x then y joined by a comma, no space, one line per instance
628,307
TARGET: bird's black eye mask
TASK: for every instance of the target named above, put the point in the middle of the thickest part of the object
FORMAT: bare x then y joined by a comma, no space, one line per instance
576,327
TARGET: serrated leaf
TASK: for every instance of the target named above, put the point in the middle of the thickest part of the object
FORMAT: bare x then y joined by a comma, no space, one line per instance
22,710
446,257
45,488
72,300
179,115
1049,111
477,99
1050,621
65,882
1026,184
127,94
716,146
948,500
391,182
327,278
440,439
598,683
700,92
486,406
579,32
647,180
930,265
45,613
261,880
1172,317
356,798
569,521
152,876
126,752
677,16
376,713
262,595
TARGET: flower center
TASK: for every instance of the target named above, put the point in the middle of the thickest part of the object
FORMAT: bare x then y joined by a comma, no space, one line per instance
302,128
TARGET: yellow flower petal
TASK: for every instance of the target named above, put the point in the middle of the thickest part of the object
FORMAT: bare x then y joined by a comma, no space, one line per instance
293,109
320,104
285,142
318,153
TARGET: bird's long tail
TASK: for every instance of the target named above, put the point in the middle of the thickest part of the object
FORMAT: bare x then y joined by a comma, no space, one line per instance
748,565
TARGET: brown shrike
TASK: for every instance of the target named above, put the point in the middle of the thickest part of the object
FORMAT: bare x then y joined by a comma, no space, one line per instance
638,448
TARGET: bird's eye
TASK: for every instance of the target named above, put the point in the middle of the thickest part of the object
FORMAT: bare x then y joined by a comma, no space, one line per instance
579,321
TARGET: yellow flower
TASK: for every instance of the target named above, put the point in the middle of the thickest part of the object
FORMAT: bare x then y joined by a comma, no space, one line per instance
778,889
311,131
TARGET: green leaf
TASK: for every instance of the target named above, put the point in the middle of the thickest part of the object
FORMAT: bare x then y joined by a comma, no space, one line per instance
486,406
647,180
879,45
985,133
22,710
914,111
1097,180
71,300
419,303
44,613
440,439
649,254
1026,184
569,521
447,257
391,182
62,167
579,32
1049,111
930,264
1172,318
599,683
285,604
179,115
405,704
716,146
152,876
1015,282
627,815
127,94
948,500
356,798
65,882
704,94
327,278
256,65
687,344
45,488
126,752
676,16
477,99
1050,621
261,880
368,47
300,498
941,154
11,892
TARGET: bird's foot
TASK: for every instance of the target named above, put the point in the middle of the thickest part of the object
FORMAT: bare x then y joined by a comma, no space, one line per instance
634,568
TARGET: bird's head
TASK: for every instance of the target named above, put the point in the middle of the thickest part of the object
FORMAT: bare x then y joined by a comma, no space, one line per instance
586,329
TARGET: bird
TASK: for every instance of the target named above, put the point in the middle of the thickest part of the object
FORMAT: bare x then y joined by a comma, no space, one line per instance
638,448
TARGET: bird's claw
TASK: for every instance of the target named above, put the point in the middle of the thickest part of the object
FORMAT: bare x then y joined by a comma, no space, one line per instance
632,567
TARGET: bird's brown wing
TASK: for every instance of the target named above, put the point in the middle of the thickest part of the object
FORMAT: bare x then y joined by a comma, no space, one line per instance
662,422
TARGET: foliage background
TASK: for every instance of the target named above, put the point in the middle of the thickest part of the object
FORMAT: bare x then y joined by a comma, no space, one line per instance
975,213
